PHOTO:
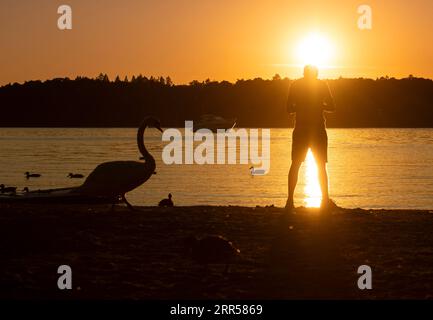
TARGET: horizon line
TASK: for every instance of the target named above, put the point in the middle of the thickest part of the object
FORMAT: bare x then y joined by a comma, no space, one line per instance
206,80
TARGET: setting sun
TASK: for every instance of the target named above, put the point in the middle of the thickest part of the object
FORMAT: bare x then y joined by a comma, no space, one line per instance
315,49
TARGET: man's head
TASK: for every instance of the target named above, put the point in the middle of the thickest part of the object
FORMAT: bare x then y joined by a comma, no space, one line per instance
311,72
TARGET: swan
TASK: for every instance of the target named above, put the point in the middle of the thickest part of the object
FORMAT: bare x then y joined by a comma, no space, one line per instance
116,178
32,175
75,176
166,202
257,172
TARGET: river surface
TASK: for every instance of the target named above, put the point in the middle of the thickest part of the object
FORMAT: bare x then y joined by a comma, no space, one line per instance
368,168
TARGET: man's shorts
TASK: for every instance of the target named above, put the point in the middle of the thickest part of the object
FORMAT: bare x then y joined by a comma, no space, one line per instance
303,139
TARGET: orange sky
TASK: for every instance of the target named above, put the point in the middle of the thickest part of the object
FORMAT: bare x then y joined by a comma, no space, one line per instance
220,40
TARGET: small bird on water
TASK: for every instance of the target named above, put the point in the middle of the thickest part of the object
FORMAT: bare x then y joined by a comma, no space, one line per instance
212,249
4,189
32,175
166,202
257,172
75,176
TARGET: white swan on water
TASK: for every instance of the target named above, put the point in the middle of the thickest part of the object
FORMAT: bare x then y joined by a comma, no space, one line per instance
116,178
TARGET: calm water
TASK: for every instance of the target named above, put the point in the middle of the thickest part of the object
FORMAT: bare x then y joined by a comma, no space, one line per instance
368,168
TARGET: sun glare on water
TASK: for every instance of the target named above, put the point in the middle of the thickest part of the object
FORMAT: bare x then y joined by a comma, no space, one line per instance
315,49
313,195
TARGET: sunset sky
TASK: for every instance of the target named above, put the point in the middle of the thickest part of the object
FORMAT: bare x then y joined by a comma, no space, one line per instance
220,40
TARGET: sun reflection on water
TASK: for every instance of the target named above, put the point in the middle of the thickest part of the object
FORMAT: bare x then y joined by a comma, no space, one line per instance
313,194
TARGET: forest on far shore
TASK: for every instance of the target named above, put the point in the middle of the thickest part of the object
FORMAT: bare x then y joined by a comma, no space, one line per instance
101,102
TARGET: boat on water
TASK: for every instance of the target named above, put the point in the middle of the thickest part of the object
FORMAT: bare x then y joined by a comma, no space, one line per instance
214,122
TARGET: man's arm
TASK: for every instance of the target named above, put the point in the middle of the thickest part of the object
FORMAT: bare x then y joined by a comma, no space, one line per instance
328,101
291,104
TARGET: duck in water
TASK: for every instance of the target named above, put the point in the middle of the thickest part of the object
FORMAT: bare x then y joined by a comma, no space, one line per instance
4,189
75,176
32,175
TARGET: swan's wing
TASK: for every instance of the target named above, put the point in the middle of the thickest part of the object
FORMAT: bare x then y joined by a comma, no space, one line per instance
117,177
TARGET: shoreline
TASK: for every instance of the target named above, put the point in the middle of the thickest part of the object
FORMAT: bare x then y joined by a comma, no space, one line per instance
140,255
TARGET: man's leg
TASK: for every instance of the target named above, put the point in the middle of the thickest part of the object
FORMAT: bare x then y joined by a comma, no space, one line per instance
293,180
323,180
320,151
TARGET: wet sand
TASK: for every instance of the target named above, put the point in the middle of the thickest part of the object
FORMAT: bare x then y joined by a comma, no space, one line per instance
140,255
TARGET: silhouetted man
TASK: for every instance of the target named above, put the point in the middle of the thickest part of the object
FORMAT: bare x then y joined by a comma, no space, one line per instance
309,98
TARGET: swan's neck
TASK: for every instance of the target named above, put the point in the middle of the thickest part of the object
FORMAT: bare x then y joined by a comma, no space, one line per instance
140,142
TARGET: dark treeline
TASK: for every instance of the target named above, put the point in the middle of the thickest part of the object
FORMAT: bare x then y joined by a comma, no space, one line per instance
384,102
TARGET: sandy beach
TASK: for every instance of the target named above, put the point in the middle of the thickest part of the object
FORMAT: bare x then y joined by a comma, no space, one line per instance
140,255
